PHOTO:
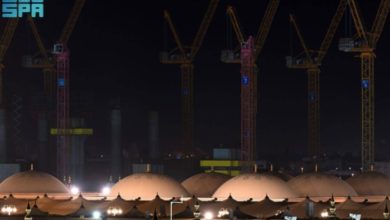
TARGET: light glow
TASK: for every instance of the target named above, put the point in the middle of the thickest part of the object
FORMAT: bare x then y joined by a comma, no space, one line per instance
208,215
96,214
223,212
324,214
106,190
113,211
74,190
8,209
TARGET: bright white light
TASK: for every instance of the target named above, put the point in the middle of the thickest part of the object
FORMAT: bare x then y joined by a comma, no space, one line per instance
8,209
223,212
114,211
324,214
106,190
74,190
208,215
96,214
355,216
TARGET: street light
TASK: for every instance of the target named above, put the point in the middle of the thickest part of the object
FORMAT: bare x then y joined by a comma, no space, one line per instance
8,209
96,214
114,211
106,190
74,190
208,215
171,204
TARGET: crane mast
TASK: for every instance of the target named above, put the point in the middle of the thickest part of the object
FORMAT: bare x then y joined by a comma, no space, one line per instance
248,100
62,55
249,52
311,62
184,56
365,43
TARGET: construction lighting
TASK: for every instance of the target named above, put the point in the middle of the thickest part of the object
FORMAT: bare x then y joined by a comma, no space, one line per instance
106,190
324,214
8,209
96,215
114,211
208,215
74,190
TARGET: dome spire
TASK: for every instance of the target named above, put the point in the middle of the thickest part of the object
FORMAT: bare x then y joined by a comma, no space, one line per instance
148,168
255,168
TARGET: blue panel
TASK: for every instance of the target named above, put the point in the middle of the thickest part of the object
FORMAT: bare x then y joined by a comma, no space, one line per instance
365,83
61,82
312,96
245,80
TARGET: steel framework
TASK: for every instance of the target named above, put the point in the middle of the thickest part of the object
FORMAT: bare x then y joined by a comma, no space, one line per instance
249,52
365,43
184,56
311,62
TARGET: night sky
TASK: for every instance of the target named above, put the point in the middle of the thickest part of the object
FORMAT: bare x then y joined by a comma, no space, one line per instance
115,48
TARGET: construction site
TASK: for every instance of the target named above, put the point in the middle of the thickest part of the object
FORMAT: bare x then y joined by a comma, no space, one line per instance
94,94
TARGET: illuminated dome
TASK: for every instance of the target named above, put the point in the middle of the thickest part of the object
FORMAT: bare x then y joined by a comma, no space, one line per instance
204,184
255,186
32,182
320,185
147,186
370,184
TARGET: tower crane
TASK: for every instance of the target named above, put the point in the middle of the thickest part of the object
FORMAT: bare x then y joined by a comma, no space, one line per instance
184,56
247,55
5,41
59,66
364,43
311,62
62,55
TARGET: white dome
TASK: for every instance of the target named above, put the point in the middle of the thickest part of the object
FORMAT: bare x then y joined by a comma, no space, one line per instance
147,186
255,186
320,185
370,184
204,184
32,182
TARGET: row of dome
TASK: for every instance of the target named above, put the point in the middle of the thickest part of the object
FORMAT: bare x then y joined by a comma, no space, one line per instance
242,187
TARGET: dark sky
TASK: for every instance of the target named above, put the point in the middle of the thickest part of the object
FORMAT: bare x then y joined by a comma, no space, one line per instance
115,48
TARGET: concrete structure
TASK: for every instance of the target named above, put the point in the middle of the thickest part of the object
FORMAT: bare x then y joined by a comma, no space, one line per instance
77,152
3,135
154,151
7,170
43,141
116,143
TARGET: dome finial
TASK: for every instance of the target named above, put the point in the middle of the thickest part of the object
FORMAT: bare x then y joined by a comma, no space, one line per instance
255,168
31,167
148,168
